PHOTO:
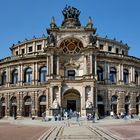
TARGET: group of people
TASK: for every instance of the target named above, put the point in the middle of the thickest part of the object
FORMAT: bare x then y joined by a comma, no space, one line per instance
122,115
60,117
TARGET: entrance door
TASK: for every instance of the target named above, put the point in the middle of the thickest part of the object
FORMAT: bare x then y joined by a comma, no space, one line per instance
100,110
27,110
127,108
71,104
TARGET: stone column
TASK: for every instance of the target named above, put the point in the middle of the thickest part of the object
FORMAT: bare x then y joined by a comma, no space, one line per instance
47,65
47,101
7,76
91,64
95,66
21,75
19,104
60,96
83,103
33,73
85,65
26,49
33,104
122,72
36,74
36,103
57,64
51,100
43,44
132,106
120,102
131,74
34,46
134,74
7,105
51,63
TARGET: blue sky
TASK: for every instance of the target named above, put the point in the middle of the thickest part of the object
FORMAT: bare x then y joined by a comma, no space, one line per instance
20,19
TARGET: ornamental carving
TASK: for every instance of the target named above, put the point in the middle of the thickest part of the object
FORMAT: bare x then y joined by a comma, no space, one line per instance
71,46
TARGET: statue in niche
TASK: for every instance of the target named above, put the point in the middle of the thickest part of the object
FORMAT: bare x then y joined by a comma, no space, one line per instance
55,104
92,39
88,104
51,39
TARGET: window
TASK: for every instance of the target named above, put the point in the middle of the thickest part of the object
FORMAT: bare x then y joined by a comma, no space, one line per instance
3,78
15,77
99,98
28,75
117,50
113,75
71,74
38,47
42,98
114,98
109,48
30,49
122,52
16,52
127,99
125,76
22,51
100,73
136,77
101,46
42,74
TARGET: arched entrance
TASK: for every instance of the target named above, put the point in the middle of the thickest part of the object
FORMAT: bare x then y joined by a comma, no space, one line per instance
114,104
13,107
2,107
27,106
71,101
127,103
138,105
42,105
100,105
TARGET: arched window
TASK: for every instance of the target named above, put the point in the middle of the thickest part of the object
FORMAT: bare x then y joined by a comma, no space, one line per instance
42,98
136,77
99,98
125,76
114,99
127,99
28,75
100,73
113,75
15,77
138,99
3,78
42,74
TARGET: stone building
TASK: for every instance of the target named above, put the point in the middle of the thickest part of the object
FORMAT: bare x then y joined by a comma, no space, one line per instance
70,69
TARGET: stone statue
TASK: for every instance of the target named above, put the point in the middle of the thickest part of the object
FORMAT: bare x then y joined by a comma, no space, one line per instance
70,12
51,39
92,39
55,104
88,104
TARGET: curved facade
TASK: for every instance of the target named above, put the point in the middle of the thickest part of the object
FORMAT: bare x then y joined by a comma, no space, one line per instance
70,69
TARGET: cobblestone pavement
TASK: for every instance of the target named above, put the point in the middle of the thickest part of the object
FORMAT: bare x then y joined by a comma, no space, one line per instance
20,132
130,131
105,129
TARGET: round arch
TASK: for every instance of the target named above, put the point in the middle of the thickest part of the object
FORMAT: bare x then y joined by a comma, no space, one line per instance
13,106
42,105
71,45
71,101
27,103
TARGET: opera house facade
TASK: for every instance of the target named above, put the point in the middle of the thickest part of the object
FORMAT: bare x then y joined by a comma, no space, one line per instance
70,69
